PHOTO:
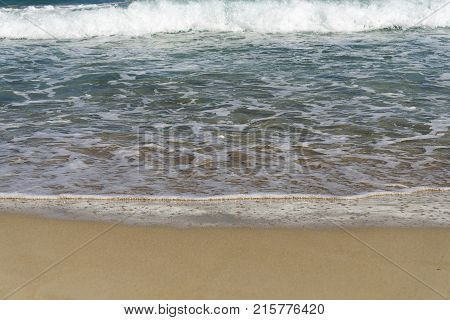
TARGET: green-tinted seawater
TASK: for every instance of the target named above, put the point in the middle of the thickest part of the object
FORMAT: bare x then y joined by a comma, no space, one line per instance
210,112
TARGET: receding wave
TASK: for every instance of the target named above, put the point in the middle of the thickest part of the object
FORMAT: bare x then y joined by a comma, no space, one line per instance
140,18
231,197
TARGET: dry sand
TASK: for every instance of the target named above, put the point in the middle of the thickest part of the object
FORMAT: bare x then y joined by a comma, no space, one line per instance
56,259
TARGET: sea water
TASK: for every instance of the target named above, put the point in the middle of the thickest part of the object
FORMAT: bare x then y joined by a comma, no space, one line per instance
200,98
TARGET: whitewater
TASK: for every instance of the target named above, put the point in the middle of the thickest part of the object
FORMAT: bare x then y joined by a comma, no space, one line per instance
143,18
294,100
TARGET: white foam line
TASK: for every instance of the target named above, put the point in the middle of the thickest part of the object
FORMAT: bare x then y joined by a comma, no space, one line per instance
232,197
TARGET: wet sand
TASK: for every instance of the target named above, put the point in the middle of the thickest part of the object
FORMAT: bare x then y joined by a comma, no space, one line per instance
408,209
56,259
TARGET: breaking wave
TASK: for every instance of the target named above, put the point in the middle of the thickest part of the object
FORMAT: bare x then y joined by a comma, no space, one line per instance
141,18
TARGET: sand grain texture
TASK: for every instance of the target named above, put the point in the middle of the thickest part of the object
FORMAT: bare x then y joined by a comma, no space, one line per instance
131,262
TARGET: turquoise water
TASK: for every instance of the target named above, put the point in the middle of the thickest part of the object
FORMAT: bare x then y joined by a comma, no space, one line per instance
202,98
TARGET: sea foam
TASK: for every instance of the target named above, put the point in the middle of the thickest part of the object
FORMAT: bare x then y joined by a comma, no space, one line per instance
141,18
407,209
225,197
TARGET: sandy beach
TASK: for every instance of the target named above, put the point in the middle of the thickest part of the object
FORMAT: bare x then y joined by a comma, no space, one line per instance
56,259
197,149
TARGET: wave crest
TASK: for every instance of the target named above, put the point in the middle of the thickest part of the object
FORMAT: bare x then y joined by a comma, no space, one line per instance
140,18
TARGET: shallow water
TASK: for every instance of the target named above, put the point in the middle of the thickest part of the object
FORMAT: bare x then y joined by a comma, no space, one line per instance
211,97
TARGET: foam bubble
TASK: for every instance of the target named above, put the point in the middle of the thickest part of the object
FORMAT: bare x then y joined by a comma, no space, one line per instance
406,209
141,18
230,197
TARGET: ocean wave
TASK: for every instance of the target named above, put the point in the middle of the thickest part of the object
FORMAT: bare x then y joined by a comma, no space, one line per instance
141,18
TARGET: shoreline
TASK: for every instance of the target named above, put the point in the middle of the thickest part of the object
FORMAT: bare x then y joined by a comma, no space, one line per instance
219,198
96,260
416,209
